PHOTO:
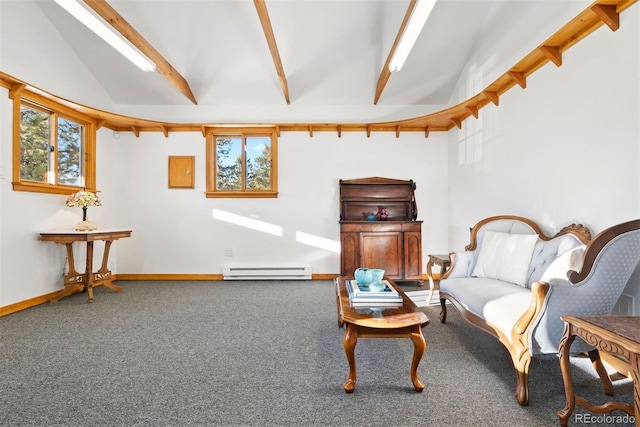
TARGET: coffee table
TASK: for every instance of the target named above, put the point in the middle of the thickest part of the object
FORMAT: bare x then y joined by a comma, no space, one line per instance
380,322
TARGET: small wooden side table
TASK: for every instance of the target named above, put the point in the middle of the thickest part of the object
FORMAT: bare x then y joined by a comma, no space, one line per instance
444,261
617,335
78,282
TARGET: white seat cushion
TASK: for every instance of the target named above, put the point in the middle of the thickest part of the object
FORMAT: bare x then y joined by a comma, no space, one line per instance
499,303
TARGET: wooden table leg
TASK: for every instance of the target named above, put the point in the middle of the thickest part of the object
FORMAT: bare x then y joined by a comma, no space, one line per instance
89,270
597,364
104,274
349,341
565,366
74,282
419,347
635,376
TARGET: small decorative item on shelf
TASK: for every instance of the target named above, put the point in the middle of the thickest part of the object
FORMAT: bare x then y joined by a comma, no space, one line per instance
370,216
84,199
382,213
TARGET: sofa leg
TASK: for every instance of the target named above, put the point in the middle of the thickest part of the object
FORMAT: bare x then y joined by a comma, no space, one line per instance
443,310
522,388
521,362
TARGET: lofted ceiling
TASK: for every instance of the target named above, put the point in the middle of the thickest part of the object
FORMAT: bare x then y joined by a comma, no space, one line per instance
332,53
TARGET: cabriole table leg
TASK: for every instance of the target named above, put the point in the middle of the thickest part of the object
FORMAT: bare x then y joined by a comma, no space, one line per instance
349,341
419,347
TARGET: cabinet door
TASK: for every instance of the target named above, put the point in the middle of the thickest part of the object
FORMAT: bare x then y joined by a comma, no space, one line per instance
382,250
350,253
412,255
181,172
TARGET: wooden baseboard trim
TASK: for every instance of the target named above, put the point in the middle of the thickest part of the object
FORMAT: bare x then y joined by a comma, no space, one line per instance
23,305
168,276
323,276
197,276
32,302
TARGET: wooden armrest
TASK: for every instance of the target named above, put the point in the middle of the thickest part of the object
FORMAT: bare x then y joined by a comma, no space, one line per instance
539,292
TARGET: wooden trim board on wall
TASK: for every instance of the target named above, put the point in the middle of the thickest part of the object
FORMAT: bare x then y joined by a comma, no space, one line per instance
32,302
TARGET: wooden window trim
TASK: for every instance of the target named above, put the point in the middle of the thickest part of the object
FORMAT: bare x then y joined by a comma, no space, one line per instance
212,133
59,110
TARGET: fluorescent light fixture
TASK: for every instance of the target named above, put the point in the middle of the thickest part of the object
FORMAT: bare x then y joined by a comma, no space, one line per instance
107,34
418,17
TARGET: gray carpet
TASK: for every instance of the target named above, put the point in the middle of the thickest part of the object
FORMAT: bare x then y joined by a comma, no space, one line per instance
265,353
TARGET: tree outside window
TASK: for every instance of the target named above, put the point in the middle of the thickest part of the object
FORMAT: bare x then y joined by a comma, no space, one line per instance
51,150
242,165
35,127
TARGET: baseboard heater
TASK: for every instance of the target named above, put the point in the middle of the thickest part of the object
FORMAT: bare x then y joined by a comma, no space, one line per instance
267,273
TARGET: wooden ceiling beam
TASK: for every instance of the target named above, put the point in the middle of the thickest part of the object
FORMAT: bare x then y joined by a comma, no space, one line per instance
109,14
442,121
385,73
263,14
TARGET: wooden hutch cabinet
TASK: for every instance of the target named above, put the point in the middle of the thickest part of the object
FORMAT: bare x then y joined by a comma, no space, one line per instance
393,244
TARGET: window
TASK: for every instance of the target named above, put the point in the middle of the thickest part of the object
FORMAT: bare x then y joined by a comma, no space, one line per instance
53,148
242,164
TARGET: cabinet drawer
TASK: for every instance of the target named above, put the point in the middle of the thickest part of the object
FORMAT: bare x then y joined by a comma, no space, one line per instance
372,226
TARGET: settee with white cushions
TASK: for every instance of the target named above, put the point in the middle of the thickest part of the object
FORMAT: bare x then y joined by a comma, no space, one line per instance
515,282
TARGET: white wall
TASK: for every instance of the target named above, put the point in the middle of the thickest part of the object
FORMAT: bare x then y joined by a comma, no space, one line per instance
566,149
174,229
33,51
29,267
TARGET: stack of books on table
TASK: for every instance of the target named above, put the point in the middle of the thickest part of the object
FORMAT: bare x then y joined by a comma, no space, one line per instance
362,296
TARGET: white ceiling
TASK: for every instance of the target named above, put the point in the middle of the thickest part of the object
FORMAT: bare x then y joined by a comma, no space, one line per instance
332,51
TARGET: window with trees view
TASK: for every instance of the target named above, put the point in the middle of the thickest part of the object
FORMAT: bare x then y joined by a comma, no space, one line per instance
241,165
51,149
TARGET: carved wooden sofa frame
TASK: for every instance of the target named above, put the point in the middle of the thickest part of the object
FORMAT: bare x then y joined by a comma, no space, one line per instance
518,343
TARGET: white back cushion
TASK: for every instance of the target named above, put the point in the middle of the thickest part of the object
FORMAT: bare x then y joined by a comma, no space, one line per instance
558,269
505,256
